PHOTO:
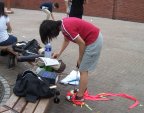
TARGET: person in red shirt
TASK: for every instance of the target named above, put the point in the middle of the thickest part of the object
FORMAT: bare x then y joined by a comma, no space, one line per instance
87,36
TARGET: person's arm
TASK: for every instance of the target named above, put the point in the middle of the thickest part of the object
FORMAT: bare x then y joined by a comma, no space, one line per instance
64,45
9,28
82,46
52,16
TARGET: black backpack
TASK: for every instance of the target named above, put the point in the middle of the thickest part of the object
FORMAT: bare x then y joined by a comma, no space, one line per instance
33,87
27,48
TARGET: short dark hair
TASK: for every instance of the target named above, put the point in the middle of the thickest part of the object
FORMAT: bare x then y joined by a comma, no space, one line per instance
49,29
56,5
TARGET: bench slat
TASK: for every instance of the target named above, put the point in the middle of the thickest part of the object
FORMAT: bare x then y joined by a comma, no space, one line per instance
12,101
20,105
9,111
42,106
2,109
30,107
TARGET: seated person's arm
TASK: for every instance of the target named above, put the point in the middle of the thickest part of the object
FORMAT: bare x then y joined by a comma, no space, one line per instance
52,16
9,28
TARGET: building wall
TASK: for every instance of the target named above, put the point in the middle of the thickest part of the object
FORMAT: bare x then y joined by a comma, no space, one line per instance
131,10
100,8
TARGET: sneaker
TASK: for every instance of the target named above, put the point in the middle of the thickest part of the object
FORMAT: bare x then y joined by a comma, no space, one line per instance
3,53
72,97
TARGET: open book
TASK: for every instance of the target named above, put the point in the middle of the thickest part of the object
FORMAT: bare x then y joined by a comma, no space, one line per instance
49,61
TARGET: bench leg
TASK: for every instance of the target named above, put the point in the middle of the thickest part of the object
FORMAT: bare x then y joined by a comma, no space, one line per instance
11,61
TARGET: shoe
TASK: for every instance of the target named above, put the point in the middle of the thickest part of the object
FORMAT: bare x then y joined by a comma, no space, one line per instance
3,53
72,97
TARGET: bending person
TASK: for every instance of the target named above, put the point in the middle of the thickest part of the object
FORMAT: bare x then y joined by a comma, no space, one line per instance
48,9
87,36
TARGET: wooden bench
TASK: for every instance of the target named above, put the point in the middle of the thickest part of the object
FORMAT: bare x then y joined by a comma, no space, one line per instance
19,105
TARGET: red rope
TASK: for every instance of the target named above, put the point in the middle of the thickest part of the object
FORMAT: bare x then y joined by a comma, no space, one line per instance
105,97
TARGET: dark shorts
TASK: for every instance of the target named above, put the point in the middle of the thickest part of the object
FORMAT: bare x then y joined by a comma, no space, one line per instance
12,39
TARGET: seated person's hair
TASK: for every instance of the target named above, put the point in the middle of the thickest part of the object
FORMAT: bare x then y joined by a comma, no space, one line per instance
56,5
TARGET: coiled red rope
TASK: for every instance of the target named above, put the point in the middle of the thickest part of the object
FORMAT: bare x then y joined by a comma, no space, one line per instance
105,97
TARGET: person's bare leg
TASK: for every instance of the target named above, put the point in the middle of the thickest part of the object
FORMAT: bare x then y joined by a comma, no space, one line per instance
83,83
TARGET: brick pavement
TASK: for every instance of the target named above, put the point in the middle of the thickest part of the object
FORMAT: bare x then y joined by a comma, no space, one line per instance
120,68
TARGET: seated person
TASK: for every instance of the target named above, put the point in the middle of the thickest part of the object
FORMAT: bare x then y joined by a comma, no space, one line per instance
48,9
5,27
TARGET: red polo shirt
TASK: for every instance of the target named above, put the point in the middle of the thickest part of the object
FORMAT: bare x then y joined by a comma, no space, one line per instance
73,27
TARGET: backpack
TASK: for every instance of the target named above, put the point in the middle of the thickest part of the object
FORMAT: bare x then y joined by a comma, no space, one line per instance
33,87
27,48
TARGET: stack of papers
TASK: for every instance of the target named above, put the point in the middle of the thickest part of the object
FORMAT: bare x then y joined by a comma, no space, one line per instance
72,79
49,61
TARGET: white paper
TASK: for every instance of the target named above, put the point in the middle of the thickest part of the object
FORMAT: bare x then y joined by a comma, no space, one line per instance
49,61
73,78
74,83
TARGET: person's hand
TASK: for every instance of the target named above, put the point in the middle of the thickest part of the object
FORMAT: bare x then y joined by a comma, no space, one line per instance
55,55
